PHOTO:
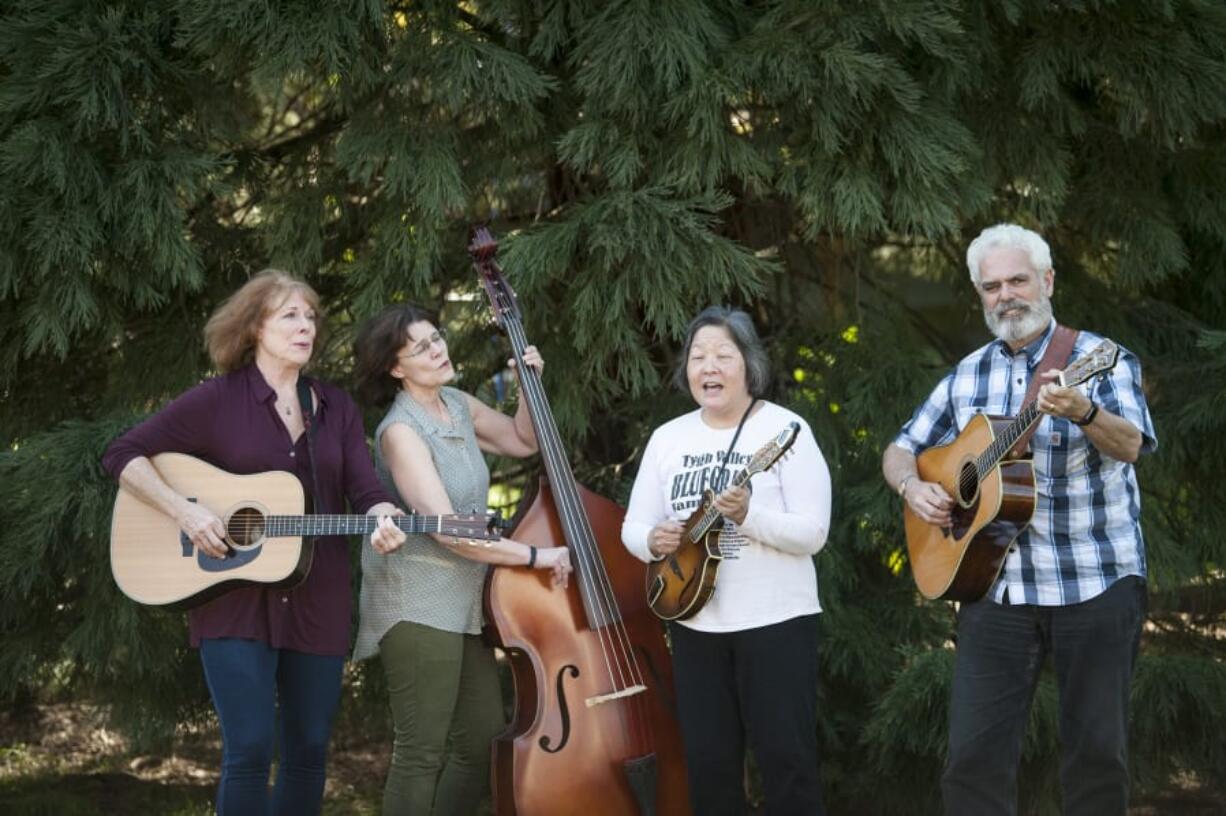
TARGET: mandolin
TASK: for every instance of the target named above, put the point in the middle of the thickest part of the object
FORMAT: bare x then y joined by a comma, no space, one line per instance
269,539
681,583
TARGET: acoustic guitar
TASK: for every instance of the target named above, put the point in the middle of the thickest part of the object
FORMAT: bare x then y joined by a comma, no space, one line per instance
268,536
993,493
681,583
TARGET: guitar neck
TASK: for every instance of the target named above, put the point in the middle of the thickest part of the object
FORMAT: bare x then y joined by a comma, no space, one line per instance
327,525
1004,443
1099,361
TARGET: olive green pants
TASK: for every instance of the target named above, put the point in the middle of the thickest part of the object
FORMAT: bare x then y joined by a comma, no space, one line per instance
446,708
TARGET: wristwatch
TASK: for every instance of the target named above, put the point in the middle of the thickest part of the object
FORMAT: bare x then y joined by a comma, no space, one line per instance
1089,417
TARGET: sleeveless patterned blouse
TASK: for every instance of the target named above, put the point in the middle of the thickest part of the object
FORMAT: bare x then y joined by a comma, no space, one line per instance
424,582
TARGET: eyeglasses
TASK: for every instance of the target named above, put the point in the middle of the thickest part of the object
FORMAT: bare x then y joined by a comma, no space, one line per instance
422,346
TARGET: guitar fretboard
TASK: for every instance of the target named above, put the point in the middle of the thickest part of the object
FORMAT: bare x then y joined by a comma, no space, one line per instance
1004,443
326,525
1101,358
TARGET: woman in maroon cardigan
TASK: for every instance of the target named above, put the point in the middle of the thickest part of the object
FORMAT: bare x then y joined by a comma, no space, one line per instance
267,648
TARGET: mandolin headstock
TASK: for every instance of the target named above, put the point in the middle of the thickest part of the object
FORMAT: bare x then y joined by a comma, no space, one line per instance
770,453
484,252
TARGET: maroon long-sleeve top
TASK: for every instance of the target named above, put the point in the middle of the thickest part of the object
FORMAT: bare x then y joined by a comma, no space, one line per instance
231,422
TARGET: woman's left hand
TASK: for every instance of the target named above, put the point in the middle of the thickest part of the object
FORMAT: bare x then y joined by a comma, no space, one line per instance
387,537
733,503
533,358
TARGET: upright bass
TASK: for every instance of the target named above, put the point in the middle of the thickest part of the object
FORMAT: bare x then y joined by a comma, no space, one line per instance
595,730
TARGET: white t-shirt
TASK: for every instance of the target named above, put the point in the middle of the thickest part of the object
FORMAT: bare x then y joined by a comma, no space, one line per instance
767,574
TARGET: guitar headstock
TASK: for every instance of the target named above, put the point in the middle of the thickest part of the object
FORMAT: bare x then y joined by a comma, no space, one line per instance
473,526
766,456
1102,357
484,251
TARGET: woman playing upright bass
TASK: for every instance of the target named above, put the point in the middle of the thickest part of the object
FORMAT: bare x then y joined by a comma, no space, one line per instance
421,607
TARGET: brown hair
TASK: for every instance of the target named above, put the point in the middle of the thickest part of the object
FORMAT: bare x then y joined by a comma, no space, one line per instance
230,334
378,342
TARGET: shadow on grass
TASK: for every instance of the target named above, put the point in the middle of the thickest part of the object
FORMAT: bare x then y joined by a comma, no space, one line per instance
97,793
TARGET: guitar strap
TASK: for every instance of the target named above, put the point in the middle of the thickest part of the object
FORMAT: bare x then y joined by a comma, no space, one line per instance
723,468
308,419
1059,350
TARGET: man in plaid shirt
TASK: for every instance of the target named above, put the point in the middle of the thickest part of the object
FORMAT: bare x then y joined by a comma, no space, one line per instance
1073,584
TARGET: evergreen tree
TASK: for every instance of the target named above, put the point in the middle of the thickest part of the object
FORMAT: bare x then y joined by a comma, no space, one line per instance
821,163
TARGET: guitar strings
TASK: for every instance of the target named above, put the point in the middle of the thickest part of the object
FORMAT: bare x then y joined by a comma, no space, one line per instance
575,518
567,504
594,574
278,526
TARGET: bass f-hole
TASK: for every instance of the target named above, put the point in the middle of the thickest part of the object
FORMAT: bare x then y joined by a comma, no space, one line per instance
563,710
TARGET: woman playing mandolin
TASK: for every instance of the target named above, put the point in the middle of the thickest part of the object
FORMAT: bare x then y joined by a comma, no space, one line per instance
746,664
272,657
421,609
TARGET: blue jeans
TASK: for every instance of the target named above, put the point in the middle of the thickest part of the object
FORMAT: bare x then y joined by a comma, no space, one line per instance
1001,649
248,681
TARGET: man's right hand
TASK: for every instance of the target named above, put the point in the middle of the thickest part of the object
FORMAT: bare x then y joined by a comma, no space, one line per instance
930,502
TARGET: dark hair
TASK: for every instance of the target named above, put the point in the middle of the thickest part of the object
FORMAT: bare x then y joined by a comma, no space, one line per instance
740,328
378,342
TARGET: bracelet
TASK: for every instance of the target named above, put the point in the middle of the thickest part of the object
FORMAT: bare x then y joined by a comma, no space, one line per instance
1089,417
531,556
902,486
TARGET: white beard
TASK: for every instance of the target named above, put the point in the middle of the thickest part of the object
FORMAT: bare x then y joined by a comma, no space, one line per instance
1033,319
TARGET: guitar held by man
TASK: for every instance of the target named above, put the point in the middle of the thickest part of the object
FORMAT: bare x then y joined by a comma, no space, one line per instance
990,478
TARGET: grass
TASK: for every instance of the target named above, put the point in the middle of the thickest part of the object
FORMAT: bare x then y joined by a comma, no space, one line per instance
63,760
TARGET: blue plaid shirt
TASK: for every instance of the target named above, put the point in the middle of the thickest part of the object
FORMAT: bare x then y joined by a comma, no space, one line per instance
1086,530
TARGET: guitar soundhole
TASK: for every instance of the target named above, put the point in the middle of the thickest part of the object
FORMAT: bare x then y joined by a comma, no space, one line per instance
245,528
968,484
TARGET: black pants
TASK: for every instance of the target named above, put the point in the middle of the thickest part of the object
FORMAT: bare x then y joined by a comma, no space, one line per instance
1001,648
757,686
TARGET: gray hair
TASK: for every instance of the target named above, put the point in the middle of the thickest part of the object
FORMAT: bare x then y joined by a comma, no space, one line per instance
740,326
1008,236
